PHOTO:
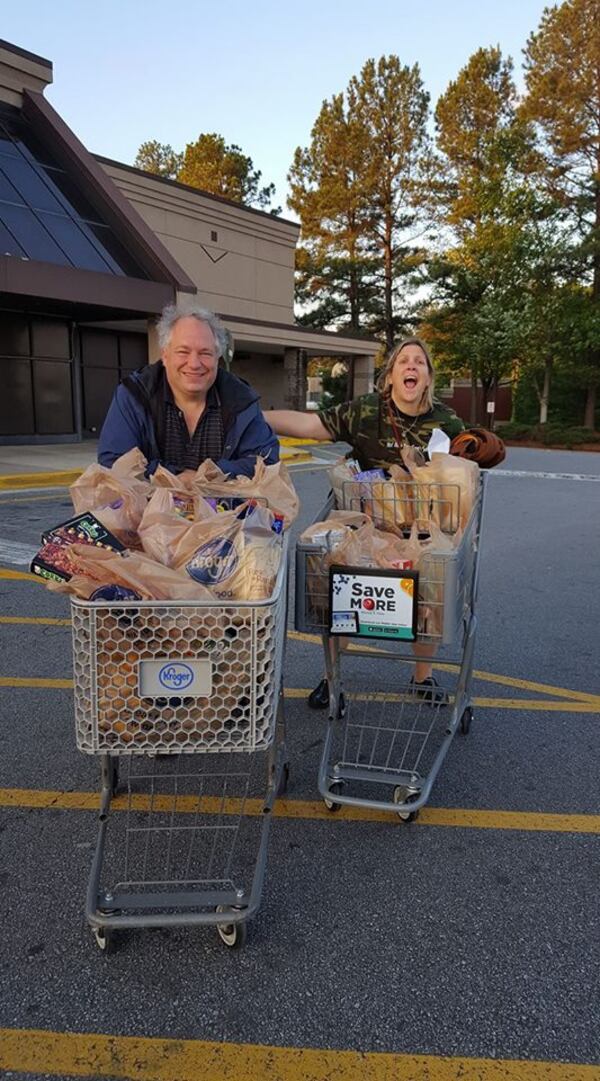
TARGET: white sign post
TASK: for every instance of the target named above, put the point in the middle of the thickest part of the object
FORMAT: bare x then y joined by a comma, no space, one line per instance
373,603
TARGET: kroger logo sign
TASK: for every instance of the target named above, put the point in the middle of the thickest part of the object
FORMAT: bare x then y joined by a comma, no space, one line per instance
213,562
175,676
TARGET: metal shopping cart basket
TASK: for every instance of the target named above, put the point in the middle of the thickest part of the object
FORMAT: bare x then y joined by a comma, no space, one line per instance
381,734
183,702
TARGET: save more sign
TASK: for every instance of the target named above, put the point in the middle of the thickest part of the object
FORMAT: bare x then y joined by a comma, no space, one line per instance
373,603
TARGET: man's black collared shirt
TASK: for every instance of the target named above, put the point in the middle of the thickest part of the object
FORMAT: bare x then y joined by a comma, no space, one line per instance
185,451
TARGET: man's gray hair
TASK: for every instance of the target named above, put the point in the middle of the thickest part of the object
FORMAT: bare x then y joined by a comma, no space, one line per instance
174,312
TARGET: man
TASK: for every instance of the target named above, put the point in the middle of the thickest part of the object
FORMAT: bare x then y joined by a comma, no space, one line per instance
185,409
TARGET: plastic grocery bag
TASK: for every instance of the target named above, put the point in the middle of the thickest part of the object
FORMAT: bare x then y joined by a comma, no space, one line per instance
327,535
98,567
346,490
163,524
235,554
180,489
117,496
270,485
446,489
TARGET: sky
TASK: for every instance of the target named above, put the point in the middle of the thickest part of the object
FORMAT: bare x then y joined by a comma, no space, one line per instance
256,73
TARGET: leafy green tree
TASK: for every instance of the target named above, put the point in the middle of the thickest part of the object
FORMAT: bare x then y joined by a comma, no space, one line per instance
562,71
158,158
210,164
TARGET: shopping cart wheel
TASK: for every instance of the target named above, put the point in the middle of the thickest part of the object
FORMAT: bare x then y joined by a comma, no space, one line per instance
403,795
465,721
331,805
232,934
104,939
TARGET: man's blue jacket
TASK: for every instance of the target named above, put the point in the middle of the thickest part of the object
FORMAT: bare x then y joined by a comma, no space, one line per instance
133,416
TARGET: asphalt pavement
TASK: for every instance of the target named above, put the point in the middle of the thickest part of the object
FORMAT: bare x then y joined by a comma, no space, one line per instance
461,945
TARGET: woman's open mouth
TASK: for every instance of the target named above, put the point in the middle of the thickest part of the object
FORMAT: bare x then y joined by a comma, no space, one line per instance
410,382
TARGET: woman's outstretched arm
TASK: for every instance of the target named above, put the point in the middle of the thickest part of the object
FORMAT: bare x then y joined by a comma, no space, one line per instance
293,423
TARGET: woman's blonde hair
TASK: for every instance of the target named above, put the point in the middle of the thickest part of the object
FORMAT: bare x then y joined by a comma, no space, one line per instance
383,383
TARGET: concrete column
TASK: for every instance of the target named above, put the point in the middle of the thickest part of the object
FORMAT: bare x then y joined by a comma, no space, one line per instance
294,378
153,346
363,369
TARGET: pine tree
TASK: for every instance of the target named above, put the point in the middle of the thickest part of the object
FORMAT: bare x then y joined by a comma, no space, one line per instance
562,68
391,109
159,159
327,192
483,207
210,164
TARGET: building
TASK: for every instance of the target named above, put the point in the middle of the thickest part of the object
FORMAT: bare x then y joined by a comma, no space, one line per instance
90,252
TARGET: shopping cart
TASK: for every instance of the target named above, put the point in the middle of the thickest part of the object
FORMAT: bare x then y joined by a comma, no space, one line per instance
389,736
187,699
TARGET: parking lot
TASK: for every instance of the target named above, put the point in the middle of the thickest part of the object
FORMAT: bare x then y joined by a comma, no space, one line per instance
461,945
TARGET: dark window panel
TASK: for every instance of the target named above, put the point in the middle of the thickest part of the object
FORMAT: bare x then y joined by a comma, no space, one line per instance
7,146
134,351
50,338
99,385
117,250
8,244
16,404
36,193
79,249
99,349
31,235
53,397
73,195
8,192
14,336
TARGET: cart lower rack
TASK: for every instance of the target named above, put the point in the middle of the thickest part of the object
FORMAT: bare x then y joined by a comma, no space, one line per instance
183,703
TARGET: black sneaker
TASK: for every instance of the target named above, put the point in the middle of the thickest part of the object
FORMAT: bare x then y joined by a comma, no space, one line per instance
429,691
319,698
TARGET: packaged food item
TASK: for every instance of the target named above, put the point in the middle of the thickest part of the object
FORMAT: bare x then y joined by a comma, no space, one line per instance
53,561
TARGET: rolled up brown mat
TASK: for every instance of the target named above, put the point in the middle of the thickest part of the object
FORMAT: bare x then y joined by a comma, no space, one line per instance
479,445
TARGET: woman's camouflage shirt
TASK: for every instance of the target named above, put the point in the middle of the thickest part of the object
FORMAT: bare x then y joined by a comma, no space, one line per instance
364,424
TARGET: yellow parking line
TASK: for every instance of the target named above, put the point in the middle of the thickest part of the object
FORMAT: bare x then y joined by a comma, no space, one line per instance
43,620
458,817
59,479
539,705
95,1055
10,574
17,681
491,677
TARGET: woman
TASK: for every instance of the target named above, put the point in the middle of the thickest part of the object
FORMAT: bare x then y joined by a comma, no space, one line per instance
402,412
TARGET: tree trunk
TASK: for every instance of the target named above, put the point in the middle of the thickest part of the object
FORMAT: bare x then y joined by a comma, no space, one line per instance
486,387
545,395
388,313
473,410
589,416
354,301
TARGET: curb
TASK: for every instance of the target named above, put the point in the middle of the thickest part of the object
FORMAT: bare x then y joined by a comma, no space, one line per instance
65,477
39,480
